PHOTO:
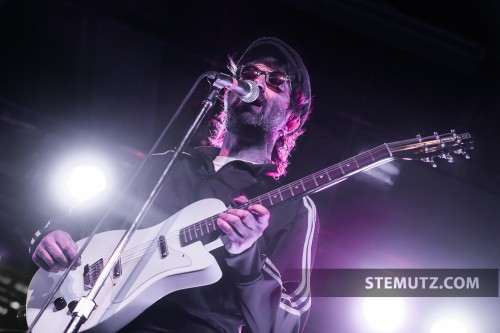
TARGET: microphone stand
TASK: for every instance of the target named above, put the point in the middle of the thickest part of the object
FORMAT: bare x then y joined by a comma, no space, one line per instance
86,304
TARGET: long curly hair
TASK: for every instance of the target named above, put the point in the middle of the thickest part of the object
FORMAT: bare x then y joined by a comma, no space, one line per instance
299,104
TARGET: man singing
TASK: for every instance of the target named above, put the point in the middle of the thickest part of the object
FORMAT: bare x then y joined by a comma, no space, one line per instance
267,253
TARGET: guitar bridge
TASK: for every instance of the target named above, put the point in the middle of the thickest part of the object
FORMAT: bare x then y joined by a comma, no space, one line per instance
91,273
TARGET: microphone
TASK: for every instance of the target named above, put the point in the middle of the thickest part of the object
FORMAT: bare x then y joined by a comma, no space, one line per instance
247,90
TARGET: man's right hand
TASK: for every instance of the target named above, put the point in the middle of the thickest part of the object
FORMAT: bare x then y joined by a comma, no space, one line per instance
56,251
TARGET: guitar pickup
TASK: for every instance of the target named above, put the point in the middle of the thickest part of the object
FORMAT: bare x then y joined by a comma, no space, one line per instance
162,245
117,270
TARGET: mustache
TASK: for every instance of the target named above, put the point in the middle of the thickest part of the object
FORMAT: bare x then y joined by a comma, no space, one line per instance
233,101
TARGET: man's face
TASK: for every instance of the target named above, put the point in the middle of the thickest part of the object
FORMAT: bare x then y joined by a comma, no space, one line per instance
264,117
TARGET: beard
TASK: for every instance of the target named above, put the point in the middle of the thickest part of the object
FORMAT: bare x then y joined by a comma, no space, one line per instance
259,120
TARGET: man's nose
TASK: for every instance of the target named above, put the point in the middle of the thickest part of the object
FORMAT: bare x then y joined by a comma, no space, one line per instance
261,82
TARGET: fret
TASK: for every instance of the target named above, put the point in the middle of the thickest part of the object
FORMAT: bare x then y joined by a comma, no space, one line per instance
185,236
190,235
276,198
302,183
321,179
195,234
266,202
309,184
270,198
200,229
370,152
364,160
381,153
281,197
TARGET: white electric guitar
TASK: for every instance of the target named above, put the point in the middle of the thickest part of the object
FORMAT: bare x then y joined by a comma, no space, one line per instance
171,255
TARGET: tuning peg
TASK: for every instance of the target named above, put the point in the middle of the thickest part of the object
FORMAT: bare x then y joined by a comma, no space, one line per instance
449,158
453,133
436,135
463,153
434,165
419,137
430,160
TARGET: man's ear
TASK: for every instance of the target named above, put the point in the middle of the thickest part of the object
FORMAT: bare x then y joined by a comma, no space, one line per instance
293,124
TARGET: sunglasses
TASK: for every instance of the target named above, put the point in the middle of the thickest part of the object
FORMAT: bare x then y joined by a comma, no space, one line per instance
274,78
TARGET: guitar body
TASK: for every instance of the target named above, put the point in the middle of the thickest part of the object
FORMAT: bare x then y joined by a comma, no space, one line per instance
145,274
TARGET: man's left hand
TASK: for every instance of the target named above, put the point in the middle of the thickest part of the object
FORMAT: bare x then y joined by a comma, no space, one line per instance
243,227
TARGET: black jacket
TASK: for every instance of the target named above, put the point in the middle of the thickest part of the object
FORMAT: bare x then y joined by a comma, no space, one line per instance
265,288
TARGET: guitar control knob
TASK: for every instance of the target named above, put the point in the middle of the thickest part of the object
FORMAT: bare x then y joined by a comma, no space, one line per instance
59,303
72,305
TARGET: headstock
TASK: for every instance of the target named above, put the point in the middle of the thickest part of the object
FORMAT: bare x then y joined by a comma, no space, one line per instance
430,147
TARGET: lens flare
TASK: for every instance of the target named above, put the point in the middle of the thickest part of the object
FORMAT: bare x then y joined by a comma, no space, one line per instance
384,314
449,325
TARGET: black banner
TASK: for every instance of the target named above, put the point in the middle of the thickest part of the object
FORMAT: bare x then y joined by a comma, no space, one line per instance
404,283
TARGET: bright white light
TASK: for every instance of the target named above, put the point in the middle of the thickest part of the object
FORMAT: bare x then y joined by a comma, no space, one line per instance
79,176
449,325
384,314
15,305
84,181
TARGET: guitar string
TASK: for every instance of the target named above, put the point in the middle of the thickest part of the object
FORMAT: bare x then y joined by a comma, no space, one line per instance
299,183
173,235
422,140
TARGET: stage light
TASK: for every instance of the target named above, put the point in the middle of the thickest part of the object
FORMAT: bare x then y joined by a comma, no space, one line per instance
15,305
449,325
84,181
384,314
78,177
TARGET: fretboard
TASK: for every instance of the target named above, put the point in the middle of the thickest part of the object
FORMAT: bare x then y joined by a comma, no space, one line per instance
295,190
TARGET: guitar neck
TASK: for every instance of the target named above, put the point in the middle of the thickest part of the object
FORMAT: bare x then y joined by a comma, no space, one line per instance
297,189
323,178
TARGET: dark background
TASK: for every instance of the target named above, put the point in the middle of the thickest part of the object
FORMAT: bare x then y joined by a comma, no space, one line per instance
106,77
